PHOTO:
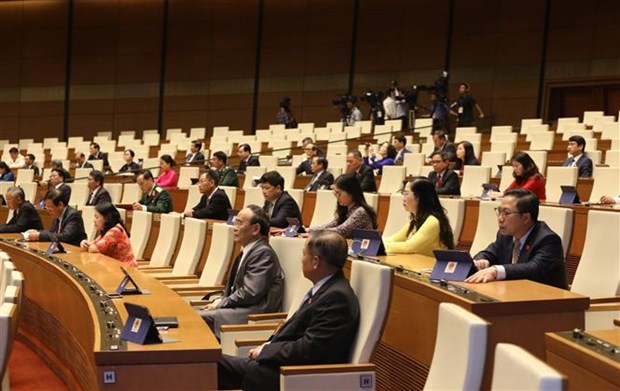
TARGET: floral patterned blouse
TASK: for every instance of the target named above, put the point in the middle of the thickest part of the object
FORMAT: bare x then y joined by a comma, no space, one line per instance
357,218
115,244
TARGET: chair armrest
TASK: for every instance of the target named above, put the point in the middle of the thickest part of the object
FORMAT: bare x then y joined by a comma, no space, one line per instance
328,368
249,342
603,307
188,281
231,328
165,279
143,262
271,317
229,334
153,269
199,290
600,300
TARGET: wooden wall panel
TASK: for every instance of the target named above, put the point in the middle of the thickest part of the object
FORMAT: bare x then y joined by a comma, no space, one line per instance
210,63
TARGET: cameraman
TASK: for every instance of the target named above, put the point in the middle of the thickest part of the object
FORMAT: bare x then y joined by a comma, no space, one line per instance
401,105
354,114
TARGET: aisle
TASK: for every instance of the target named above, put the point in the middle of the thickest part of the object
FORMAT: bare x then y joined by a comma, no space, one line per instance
28,373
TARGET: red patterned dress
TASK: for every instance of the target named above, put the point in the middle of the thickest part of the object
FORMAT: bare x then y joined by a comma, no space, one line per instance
115,244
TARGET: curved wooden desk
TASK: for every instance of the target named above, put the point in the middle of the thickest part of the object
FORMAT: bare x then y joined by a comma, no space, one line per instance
69,322
520,312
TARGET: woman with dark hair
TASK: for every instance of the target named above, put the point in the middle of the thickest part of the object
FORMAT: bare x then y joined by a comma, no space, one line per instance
6,175
526,175
352,211
129,165
465,156
112,236
429,228
385,157
167,175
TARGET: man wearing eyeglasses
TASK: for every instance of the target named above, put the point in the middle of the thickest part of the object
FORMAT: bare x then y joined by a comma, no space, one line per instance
446,181
305,166
525,248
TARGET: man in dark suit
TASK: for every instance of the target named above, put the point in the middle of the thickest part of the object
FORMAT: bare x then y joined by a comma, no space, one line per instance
25,216
97,194
214,203
256,281
279,205
305,167
446,181
440,139
245,158
576,148
321,331
154,198
321,178
525,248
29,164
195,156
399,142
80,161
364,174
67,226
57,180
96,154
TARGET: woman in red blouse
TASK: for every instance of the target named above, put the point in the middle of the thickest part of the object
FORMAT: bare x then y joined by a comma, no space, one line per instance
526,176
112,236
167,176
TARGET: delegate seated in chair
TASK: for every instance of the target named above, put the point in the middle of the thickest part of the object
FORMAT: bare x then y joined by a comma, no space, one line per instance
256,280
214,203
322,330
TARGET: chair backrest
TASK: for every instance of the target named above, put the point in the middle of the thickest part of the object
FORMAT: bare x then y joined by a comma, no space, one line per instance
562,122
392,179
9,317
397,216
508,147
191,247
486,230
231,192
298,196
413,162
514,368
251,173
88,216
605,183
169,227
131,193
197,133
560,220
79,193
559,176
4,186
540,158
588,116
372,199
541,141
473,178
493,159
288,173
290,251
185,176
30,190
115,190
193,197
598,272
335,171
526,123
81,174
324,208
455,209
254,196
269,162
140,232
612,156
460,350
507,178
219,257
24,175
372,285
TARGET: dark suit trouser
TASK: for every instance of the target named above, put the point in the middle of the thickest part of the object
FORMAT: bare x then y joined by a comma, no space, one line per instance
236,372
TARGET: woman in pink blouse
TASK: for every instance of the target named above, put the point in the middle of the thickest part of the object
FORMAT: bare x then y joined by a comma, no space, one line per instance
112,236
167,176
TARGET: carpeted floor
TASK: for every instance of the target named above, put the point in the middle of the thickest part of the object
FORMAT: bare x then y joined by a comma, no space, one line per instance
28,373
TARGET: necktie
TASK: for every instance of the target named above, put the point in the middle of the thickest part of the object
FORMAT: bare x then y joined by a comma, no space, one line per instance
92,196
438,181
516,251
268,209
233,274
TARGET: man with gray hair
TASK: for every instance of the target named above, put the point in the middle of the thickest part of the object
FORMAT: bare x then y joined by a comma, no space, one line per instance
25,216
321,331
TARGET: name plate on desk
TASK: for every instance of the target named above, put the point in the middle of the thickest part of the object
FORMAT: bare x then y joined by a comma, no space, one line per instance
140,327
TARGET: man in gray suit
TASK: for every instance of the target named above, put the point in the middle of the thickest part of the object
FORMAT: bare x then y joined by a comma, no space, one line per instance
256,281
